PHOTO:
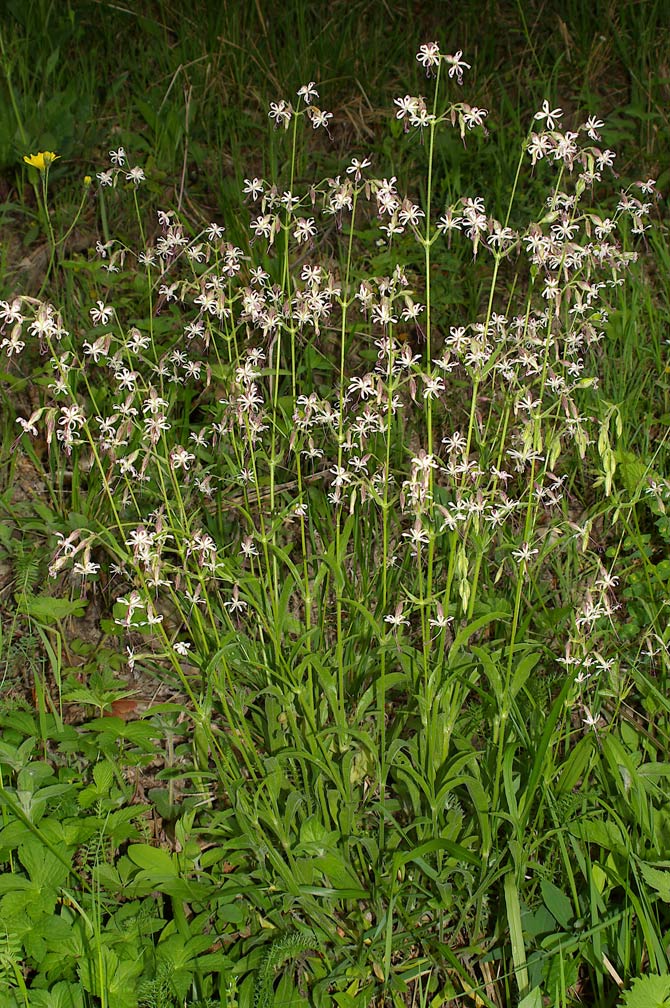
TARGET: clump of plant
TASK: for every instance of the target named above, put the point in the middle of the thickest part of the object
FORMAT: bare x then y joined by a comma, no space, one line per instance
331,511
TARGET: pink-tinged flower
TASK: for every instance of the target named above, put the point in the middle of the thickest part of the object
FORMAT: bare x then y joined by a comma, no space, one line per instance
457,65
397,619
429,56
356,167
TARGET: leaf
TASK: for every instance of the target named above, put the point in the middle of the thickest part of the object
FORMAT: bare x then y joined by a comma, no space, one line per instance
604,833
287,994
48,609
152,859
532,1000
557,903
648,992
516,932
657,879
44,868
61,995
103,775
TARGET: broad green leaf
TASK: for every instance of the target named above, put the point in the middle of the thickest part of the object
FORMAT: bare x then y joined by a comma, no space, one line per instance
103,775
48,609
61,995
648,992
152,859
522,671
557,903
43,867
602,832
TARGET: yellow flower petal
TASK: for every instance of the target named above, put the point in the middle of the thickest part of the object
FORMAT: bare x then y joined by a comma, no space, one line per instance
42,160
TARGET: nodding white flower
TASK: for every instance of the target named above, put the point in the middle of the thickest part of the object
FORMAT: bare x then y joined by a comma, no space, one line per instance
141,539
235,603
307,92
29,424
397,618
320,118
605,159
14,344
410,213
433,386
455,442
440,622
473,117
11,312
182,648
248,548
457,65
417,536
180,458
591,720
118,156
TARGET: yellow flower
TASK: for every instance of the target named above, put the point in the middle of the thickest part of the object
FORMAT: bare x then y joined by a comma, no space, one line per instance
87,180
42,160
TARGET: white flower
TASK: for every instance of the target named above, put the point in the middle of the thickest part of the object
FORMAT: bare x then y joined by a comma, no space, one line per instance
253,187
235,603
429,56
356,167
550,115
281,112
320,118
592,125
248,548
457,65
307,92
397,618
440,622
102,314
524,553
407,106
29,425
135,175
304,229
